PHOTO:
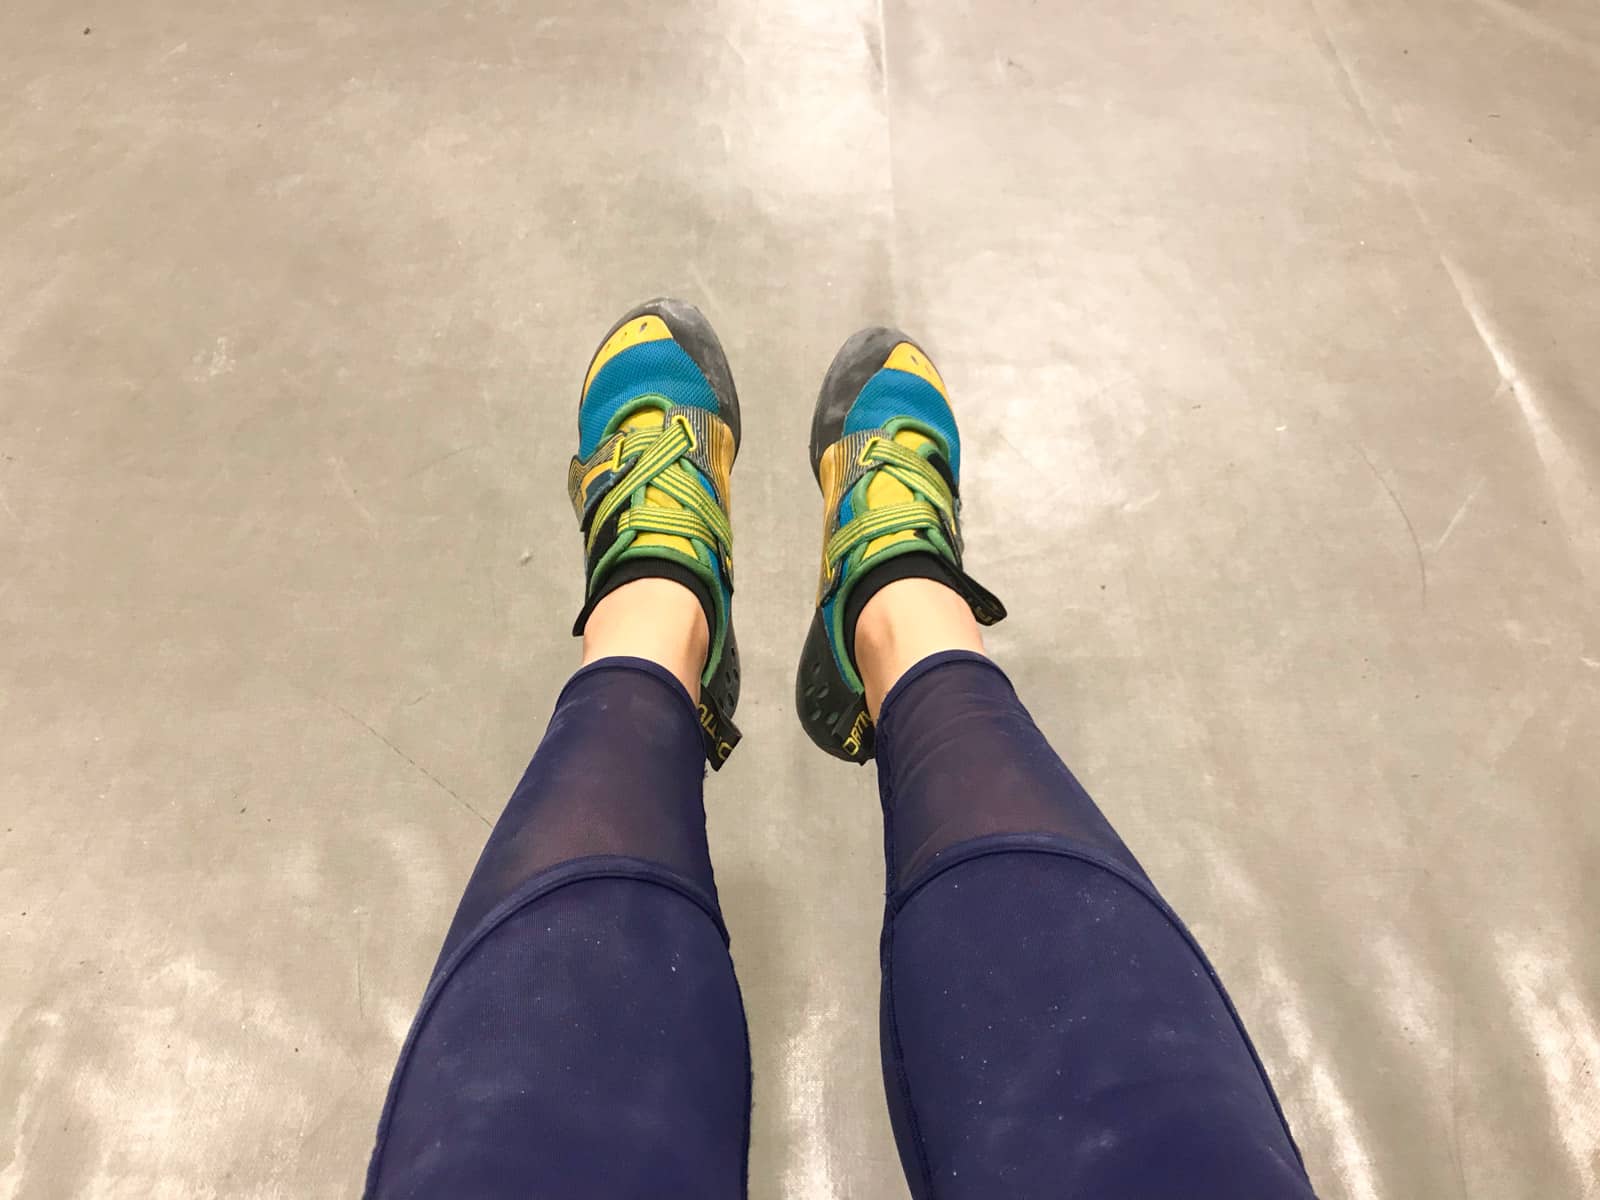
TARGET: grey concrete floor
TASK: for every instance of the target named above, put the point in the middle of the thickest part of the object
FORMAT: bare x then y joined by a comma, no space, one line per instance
1273,332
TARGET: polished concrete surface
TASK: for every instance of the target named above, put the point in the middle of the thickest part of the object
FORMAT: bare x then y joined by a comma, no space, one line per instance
1273,332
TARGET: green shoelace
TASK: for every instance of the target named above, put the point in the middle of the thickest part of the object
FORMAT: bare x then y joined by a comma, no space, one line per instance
661,462
931,515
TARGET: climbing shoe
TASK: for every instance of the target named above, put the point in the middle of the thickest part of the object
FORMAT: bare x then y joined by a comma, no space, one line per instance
886,453
658,429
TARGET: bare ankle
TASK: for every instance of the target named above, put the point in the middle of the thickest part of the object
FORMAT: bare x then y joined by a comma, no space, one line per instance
905,622
655,619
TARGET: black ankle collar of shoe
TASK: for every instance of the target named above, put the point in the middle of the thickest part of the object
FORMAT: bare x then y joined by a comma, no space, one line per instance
917,565
651,568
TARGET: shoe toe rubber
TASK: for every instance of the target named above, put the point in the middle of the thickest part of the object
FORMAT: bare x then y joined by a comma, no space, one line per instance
859,359
692,331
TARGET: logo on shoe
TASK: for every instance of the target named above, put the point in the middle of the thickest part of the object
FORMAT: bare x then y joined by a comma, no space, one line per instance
715,742
852,742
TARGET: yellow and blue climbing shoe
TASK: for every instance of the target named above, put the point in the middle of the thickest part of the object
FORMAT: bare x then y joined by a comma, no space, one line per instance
658,429
886,452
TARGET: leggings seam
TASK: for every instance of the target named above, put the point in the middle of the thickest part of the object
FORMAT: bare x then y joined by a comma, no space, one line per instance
540,885
902,1079
1054,845
1013,843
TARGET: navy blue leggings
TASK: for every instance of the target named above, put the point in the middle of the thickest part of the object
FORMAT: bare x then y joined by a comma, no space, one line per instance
1049,1027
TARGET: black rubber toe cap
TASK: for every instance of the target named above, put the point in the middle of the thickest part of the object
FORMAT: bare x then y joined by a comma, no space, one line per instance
694,333
859,359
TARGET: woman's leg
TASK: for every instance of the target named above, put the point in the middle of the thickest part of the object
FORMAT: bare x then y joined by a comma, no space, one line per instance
582,1034
1049,1027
